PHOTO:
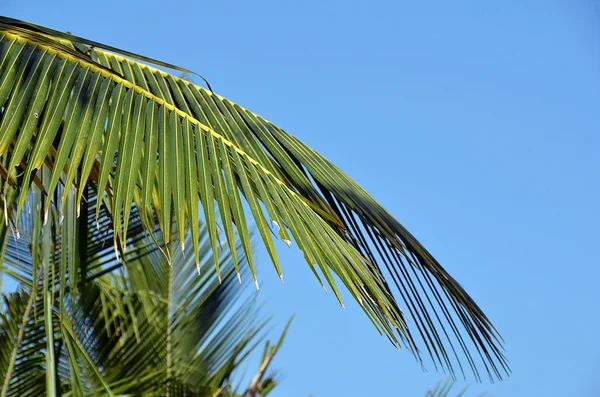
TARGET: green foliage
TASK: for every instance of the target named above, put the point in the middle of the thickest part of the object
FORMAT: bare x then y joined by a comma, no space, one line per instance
149,141
83,324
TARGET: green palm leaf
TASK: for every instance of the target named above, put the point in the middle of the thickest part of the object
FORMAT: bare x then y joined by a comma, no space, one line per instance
155,329
72,107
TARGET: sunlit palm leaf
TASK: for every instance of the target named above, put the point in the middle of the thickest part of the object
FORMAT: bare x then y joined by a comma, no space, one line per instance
178,144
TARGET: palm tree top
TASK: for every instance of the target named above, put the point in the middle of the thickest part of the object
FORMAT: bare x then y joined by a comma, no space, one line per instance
147,139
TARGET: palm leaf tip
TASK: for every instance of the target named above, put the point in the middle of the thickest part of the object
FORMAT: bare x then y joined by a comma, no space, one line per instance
198,146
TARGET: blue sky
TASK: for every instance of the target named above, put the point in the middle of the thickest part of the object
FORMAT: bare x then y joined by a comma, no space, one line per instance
475,123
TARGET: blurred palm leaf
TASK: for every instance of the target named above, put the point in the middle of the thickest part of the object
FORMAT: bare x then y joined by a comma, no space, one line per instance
154,327
443,389
70,104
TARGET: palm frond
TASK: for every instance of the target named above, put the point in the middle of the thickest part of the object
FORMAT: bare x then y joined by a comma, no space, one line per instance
21,345
261,384
142,136
183,330
155,326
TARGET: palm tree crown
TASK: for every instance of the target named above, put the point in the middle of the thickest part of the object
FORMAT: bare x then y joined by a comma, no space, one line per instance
149,141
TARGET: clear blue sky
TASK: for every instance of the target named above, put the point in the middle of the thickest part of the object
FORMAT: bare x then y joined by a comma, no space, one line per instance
475,123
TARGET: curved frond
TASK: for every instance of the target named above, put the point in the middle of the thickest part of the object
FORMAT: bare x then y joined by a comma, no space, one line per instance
95,115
